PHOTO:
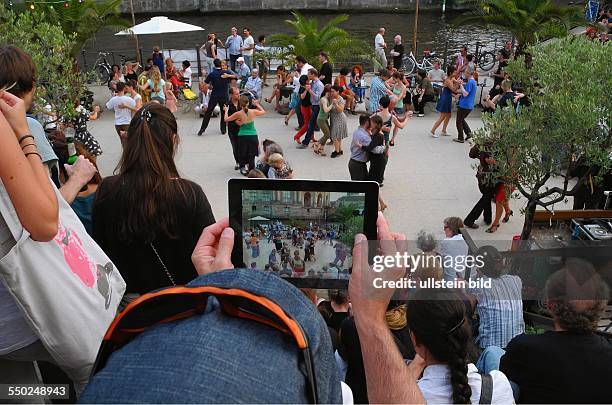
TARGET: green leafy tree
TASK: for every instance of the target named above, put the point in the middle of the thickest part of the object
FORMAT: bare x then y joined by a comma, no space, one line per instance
527,20
58,83
85,19
568,121
308,40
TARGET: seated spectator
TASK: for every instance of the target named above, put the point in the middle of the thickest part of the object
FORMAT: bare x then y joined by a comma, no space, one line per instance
500,307
424,93
336,309
571,363
242,70
441,335
426,242
453,246
437,75
254,84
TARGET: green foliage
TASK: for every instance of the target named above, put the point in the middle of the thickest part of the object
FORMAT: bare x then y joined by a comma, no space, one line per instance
59,84
308,41
527,20
352,227
570,116
344,213
84,20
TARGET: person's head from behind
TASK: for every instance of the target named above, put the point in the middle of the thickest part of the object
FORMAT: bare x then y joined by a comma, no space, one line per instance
17,69
470,57
120,88
344,71
147,170
60,147
186,64
492,262
276,160
452,226
506,85
244,103
450,70
217,63
467,72
576,296
384,102
421,74
154,75
376,124
364,121
441,334
303,80
339,297
326,90
383,74
426,241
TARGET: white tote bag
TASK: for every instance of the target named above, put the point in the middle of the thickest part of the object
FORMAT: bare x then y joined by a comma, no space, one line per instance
68,289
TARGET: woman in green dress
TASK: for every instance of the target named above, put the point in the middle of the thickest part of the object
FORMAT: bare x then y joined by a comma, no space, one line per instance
248,143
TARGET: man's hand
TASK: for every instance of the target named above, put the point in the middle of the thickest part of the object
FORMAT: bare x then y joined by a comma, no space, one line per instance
82,170
370,303
14,111
213,251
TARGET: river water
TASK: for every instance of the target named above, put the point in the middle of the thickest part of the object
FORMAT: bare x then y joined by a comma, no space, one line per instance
435,30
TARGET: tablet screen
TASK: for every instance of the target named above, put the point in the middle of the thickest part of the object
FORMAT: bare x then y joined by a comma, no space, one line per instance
301,234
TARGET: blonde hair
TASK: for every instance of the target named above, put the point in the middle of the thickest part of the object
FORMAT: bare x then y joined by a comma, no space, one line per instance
155,76
506,85
276,158
168,86
396,317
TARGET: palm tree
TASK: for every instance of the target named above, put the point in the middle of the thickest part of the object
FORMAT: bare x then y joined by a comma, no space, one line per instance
84,19
527,20
308,41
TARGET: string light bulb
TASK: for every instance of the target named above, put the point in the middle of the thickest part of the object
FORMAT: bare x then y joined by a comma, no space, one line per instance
32,7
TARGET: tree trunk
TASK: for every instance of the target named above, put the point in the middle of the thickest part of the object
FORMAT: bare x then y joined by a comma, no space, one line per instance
528,224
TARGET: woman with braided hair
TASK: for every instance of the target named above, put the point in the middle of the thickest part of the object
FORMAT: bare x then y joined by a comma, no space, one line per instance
442,336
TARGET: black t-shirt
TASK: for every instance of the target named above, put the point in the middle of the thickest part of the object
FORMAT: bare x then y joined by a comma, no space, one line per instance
131,76
506,54
136,261
305,102
232,126
326,70
397,60
560,367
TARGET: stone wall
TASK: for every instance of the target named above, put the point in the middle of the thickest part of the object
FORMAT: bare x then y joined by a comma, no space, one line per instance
211,6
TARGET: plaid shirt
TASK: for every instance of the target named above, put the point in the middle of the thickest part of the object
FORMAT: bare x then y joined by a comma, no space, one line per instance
377,91
501,311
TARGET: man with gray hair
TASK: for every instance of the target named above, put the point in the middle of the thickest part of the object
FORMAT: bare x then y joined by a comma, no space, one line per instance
254,84
397,52
426,242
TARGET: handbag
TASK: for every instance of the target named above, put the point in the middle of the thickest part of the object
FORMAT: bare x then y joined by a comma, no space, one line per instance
67,289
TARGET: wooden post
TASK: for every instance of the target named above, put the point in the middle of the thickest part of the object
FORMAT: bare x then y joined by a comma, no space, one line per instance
416,26
138,58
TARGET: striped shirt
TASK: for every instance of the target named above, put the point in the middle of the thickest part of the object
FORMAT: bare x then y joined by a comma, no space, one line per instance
377,91
501,311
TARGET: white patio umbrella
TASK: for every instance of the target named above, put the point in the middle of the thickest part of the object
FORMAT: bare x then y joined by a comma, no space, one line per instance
159,25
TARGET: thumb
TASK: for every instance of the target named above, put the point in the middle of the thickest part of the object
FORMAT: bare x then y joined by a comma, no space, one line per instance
360,249
225,246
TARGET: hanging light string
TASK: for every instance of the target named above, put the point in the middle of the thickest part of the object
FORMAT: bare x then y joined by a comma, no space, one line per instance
33,3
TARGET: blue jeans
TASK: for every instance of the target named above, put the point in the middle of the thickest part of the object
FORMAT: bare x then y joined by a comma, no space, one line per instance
311,125
489,359
248,60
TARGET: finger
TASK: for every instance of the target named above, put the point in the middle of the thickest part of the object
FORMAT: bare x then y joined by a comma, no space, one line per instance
360,250
226,244
382,228
212,232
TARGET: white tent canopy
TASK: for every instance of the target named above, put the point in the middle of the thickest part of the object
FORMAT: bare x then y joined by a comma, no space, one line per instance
258,218
159,25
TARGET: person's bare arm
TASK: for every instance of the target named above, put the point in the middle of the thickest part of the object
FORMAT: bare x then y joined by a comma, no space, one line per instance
259,110
388,378
25,178
230,118
79,175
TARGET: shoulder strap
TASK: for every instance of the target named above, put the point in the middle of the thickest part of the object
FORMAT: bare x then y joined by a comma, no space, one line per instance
486,389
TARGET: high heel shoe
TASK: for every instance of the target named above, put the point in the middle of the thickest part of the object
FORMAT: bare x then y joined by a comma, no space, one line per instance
492,228
507,217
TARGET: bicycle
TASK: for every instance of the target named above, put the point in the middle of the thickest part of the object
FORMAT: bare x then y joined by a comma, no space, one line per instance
409,63
102,69
485,60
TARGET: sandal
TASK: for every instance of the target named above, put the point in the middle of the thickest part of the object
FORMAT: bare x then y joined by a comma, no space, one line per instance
267,100
507,217
392,143
492,228
286,121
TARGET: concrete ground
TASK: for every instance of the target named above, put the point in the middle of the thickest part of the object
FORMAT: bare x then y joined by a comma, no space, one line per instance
426,179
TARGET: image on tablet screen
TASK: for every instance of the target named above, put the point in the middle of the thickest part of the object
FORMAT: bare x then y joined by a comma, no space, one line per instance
301,234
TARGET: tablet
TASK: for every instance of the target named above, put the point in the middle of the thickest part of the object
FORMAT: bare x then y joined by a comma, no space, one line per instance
301,230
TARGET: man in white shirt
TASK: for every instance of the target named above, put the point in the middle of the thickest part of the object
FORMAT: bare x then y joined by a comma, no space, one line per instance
253,83
123,115
248,45
242,70
437,75
380,47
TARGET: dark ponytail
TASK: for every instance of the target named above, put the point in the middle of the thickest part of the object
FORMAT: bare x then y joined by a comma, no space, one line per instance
438,321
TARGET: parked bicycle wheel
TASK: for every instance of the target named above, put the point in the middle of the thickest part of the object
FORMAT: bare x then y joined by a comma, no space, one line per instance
408,64
102,74
486,61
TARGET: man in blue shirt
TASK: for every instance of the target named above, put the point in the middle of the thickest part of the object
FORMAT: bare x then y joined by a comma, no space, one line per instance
315,89
467,94
357,165
378,89
233,45
220,80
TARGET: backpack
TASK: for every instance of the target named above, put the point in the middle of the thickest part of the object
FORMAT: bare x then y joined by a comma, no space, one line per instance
233,336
